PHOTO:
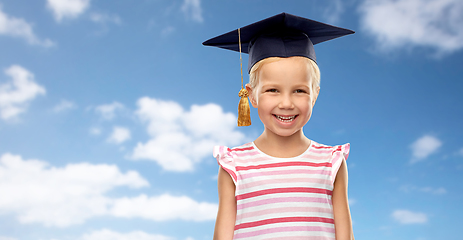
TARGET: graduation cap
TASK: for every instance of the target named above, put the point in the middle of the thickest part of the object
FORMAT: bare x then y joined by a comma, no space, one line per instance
283,35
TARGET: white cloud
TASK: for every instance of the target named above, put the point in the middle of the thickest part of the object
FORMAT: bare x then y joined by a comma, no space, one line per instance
105,18
409,217
333,12
38,193
192,10
460,152
63,106
16,94
7,238
168,150
164,207
119,135
95,131
423,147
106,234
435,191
167,31
181,138
18,27
352,201
108,111
67,8
397,24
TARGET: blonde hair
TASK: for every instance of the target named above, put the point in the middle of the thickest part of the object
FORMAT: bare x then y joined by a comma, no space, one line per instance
311,65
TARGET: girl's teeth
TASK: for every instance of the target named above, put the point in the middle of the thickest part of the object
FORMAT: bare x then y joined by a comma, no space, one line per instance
285,119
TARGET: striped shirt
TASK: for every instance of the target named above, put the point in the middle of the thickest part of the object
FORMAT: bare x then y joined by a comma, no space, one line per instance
283,198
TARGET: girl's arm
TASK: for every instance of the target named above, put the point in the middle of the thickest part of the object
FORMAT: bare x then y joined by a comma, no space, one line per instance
225,223
342,219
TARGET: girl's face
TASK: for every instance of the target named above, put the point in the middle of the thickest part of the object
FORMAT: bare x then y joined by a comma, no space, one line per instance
284,97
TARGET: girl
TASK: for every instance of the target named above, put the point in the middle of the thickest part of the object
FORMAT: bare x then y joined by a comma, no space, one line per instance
282,185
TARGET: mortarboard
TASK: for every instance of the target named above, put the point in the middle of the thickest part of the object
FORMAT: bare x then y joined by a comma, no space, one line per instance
283,35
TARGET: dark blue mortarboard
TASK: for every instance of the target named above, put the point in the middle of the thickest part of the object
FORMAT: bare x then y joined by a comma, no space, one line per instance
283,35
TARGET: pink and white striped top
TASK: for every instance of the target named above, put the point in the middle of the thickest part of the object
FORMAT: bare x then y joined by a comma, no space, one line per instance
283,198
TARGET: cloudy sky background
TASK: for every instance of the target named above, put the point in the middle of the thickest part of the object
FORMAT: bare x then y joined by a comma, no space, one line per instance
109,111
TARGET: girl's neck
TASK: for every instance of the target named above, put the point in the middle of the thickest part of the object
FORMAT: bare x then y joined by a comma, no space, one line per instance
282,146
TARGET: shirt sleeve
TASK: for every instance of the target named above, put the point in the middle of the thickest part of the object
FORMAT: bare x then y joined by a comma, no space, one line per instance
225,160
340,153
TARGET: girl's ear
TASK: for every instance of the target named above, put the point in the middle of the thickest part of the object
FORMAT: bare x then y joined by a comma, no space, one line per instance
252,98
316,92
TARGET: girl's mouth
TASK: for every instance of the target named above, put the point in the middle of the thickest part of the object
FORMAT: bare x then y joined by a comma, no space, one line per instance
285,118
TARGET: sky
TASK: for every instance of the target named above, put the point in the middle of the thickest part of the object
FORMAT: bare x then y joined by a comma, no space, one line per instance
109,111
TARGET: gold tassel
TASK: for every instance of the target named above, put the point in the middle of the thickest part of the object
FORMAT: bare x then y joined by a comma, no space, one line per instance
244,112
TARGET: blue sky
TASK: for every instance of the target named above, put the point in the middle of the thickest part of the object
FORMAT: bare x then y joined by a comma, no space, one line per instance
109,111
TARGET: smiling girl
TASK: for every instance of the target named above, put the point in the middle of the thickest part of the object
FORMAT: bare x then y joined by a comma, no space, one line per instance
283,185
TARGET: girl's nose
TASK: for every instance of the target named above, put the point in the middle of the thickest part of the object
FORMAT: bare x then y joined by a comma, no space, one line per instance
286,102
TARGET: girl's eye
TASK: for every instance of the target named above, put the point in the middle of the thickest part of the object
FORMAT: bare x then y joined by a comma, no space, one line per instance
300,91
271,90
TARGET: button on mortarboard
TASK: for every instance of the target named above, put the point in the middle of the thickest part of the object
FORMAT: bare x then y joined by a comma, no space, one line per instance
283,35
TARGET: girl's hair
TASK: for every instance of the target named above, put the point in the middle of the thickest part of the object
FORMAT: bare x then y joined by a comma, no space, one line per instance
311,66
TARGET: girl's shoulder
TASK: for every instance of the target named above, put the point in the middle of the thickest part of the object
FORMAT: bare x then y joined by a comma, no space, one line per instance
335,156
345,148
224,151
226,157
